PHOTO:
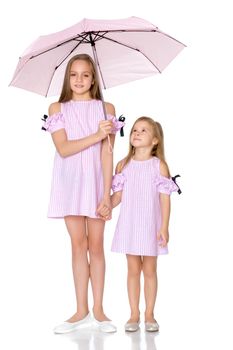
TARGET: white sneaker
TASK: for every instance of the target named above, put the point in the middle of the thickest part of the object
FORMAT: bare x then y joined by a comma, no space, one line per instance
105,326
67,327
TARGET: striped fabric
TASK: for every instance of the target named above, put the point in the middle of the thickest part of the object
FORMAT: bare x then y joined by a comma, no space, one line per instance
140,214
77,181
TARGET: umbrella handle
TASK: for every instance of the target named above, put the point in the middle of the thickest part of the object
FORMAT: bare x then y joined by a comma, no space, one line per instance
110,148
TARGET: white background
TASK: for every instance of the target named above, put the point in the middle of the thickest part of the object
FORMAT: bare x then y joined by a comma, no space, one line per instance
192,99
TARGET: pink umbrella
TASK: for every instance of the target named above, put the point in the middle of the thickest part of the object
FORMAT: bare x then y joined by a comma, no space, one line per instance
124,50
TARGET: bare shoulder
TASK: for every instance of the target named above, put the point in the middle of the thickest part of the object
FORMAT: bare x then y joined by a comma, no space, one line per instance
164,169
120,166
55,107
110,109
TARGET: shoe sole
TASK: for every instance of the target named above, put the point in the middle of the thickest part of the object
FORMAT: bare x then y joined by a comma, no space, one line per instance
131,331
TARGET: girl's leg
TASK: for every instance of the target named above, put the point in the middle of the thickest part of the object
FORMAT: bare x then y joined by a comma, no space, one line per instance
76,226
133,283
95,229
149,267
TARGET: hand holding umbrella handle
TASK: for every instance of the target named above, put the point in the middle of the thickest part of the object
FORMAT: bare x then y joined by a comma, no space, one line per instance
43,128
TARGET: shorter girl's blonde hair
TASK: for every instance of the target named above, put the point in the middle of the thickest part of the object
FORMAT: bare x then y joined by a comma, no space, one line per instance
66,92
157,150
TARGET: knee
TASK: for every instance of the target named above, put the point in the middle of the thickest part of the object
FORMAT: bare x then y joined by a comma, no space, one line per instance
79,245
149,271
96,250
134,271
134,274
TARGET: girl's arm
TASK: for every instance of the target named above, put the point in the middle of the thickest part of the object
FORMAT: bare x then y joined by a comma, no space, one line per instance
67,147
105,205
115,199
163,234
116,196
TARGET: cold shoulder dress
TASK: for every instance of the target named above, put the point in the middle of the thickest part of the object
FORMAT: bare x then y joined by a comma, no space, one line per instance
140,214
77,180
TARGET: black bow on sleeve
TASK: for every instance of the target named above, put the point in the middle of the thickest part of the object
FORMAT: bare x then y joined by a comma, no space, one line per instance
174,180
44,120
121,119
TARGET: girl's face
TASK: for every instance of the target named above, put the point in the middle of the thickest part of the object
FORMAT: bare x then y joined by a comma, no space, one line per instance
81,79
142,135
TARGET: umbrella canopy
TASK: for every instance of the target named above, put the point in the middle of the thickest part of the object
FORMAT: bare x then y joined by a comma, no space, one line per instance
124,50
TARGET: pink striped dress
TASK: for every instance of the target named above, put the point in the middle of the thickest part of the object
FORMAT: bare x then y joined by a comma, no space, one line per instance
140,214
77,181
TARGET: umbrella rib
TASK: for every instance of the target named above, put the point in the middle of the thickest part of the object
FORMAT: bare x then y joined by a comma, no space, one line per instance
132,48
171,37
146,31
61,44
83,40
67,55
74,48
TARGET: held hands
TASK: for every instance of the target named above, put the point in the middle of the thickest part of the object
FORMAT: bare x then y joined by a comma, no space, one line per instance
104,210
163,237
105,128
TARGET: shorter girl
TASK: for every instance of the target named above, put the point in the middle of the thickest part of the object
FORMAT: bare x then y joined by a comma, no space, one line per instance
143,184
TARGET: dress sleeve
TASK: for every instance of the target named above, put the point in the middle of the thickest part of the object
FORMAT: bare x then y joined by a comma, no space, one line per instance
165,185
54,122
118,181
117,124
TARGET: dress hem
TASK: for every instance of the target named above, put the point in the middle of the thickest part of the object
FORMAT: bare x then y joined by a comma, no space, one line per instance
138,254
63,216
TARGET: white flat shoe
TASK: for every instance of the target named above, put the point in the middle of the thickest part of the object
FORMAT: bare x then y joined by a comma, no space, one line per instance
67,327
151,326
105,326
132,326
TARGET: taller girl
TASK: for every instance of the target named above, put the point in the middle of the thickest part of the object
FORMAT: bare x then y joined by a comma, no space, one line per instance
82,181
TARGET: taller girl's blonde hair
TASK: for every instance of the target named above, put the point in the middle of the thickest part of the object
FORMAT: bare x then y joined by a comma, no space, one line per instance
66,92
157,150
